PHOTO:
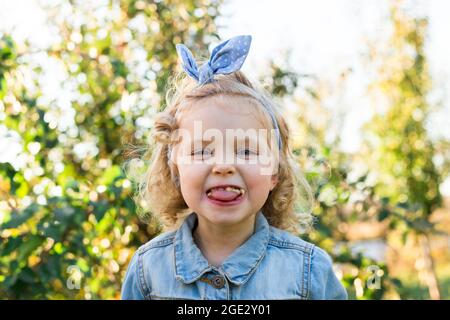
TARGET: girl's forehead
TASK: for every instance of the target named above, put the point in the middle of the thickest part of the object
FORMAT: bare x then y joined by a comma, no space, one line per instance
223,108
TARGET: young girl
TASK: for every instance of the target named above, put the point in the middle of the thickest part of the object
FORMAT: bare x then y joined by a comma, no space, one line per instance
222,176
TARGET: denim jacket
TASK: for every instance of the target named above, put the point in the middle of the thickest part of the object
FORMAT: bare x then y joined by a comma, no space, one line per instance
271,264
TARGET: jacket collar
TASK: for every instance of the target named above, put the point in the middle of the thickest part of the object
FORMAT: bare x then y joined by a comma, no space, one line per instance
190,264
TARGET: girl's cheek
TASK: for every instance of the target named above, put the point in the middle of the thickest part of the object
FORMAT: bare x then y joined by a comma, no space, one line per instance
253,177
193,166
192,175
254,168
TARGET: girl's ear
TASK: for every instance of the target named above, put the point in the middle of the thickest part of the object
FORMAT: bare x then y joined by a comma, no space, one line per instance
274,181
175,175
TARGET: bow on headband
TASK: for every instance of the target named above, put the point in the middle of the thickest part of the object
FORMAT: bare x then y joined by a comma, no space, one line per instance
226,58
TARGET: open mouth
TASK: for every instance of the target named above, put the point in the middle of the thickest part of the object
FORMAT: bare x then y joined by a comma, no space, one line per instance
225,194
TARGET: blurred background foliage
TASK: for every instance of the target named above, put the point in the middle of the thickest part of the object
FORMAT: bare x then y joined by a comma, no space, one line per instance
68,222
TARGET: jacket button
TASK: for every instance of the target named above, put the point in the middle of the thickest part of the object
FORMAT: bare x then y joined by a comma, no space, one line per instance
218,281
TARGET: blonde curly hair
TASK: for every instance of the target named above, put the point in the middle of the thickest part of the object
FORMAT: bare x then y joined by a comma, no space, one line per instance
158,194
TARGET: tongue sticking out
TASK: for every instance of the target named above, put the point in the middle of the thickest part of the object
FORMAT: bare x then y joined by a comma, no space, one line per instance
223,195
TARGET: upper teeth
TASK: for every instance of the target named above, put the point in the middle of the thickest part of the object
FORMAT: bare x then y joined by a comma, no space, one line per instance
232,189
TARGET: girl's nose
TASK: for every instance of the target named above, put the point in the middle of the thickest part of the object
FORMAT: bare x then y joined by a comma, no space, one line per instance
224,169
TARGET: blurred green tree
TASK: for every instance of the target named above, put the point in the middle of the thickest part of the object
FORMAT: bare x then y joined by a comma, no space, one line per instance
398,147
68,224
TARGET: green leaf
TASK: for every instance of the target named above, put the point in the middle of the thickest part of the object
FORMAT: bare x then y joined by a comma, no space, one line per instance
27,275
100,208
396,282
383,214
72,184
20,217
119,68
11,245
29,246
64,215
3,87
404,237
10,281
110,174
52,230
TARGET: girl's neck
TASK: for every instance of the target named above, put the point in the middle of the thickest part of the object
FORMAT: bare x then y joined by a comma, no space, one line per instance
218,242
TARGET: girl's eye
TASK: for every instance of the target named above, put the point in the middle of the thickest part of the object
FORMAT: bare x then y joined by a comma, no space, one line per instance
247,152
201,153
204,153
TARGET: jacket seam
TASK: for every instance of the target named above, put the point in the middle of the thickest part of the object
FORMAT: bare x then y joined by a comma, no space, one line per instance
306,248
142,284
158,244
307,272
247,275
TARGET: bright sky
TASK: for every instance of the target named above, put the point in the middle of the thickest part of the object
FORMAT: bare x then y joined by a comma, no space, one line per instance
325,36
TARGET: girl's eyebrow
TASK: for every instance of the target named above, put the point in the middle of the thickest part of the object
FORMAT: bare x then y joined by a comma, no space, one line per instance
201,141
250,140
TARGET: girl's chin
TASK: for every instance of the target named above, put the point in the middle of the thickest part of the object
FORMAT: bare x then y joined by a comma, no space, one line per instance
220,220
225,217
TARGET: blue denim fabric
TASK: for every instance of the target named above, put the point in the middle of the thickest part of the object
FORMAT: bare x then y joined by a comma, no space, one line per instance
271,264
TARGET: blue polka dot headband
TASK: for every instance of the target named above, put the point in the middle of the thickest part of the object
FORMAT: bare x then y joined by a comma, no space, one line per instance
225,58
